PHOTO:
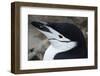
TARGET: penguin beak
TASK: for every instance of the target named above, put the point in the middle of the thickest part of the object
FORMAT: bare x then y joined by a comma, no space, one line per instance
41,26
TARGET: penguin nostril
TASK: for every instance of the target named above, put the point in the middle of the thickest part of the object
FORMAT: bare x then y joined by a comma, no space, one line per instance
60,36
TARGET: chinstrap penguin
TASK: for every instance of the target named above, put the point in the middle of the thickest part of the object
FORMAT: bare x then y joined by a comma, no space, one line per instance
67,41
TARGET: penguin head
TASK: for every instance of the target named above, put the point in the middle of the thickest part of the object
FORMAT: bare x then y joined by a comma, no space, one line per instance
57,38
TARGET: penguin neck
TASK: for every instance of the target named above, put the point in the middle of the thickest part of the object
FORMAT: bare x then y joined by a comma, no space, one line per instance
51,52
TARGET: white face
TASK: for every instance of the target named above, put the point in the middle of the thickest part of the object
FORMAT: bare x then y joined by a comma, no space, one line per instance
58,40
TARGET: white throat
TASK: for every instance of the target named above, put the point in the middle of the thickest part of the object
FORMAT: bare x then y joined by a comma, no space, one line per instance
52,51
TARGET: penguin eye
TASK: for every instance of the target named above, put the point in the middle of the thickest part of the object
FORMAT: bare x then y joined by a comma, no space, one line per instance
60,36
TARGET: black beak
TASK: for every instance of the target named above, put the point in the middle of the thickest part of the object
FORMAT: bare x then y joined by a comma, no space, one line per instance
37,24
41,26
